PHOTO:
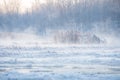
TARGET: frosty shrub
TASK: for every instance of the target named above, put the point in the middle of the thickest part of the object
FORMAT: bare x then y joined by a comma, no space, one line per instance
71,36
66,36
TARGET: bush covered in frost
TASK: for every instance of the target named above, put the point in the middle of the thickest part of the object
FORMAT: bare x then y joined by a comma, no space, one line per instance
74,37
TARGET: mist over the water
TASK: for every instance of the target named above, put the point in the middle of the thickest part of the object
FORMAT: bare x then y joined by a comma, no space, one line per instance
43,22
60,40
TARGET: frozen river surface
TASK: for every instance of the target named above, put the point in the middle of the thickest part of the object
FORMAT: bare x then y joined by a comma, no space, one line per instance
60,63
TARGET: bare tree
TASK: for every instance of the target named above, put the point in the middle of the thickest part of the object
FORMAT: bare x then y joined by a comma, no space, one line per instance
35,5
11,6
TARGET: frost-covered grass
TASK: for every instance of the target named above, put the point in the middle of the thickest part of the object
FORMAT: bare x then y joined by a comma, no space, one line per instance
60,62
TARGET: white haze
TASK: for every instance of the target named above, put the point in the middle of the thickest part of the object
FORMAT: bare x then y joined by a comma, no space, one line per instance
96,17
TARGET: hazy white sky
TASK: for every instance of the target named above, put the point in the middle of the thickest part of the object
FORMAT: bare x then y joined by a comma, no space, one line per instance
25,4
28,3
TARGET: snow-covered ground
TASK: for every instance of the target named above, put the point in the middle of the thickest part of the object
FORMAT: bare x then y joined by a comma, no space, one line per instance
60,62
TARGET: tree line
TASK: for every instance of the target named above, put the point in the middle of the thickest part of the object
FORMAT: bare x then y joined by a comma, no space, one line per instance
60,14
